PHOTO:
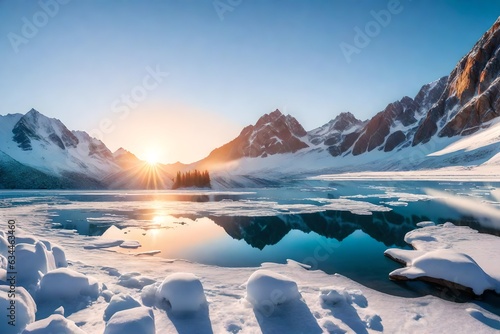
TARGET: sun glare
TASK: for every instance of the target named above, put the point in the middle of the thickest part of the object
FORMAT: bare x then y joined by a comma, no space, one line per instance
152,158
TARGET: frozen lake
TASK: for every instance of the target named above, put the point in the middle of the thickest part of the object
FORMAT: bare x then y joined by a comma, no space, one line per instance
338,227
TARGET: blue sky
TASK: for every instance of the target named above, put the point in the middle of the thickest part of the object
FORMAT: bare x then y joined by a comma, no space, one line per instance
228,62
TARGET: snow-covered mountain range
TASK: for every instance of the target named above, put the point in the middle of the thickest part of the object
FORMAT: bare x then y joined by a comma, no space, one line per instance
412,133
452,121
41,152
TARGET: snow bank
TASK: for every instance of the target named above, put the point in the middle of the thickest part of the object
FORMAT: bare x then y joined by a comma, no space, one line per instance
134,280
137,320
67,285
24,312
183,291
55,324
59,256
4,244
32,260
118,303
266,288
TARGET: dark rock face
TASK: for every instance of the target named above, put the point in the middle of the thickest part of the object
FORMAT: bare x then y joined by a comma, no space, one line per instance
458,104
22,135
379,127
273,133
390,128
471,97
334,131
374,135
394,140
35,126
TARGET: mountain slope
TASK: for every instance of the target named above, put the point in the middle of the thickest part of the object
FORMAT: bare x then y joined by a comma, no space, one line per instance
471,97
273,133
41,152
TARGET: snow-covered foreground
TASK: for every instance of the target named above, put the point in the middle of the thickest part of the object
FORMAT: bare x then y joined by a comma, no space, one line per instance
107,292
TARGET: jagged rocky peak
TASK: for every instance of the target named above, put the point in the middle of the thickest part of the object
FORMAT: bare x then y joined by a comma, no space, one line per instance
472,94
391,128
332,132
343,121
35,126
277,119
430,93
273,133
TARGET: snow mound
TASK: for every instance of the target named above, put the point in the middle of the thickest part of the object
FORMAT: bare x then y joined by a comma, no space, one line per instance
137,320
32,261
23,312
118,303
266,288
56,323
134,280
332,296
34,258
183,291
67,285
59,256
4,244
447,265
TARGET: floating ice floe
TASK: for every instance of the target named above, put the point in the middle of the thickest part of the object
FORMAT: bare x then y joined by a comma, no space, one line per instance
454,256
130,244
103,243
426,223
266,288
446,267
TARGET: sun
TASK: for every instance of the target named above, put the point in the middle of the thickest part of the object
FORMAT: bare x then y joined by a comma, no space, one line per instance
152,158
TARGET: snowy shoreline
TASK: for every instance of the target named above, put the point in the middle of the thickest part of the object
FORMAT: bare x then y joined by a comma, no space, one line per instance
451,174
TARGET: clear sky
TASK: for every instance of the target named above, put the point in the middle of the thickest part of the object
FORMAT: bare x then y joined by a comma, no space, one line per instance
181,77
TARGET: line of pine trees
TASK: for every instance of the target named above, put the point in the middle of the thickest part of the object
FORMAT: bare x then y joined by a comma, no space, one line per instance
194,178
